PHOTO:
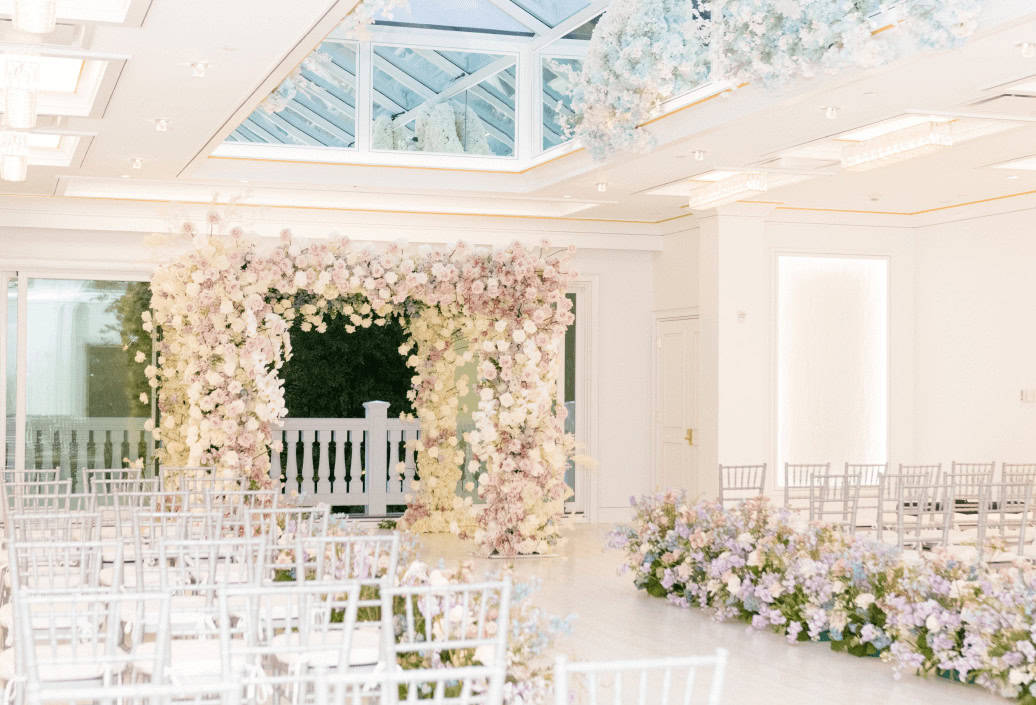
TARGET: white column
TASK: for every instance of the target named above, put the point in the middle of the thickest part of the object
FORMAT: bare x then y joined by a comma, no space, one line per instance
364,97
376,413
735,398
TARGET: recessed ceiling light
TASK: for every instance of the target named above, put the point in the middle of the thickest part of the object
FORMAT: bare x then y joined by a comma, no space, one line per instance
123,176
161,124
1012,177
699,155
199,69
1028,49
831,112
137,163
602,186
567,195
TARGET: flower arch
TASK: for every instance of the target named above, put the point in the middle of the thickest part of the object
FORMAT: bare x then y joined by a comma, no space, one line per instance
223,312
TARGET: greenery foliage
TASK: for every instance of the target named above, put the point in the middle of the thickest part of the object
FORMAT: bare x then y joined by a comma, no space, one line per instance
331,374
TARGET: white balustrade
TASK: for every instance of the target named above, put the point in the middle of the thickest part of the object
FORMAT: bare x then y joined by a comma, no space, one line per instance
362,469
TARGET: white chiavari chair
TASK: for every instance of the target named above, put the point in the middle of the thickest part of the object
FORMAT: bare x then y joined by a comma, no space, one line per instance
234,506
371,561
32,475
834,499
63,528
740,482
423,621
282,527
96,480
58,567
293,628
665,681
797,482
868,479
933,473
68,641
46,496
967,482
1018,472
1004,512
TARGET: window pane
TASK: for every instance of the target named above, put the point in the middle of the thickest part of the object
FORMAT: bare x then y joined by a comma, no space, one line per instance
832,352
570,391
12,366
552,12
315,106
84,387
557,98
423,102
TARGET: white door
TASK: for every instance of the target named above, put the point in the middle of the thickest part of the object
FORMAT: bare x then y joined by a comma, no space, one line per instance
676,361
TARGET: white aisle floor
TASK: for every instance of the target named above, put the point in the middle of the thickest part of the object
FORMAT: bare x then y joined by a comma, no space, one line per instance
614,620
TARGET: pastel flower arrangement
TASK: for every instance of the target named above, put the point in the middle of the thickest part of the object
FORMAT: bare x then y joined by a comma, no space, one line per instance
924,613
644,52
224,311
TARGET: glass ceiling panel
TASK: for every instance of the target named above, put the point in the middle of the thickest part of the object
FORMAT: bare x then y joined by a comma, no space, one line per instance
463,16
314,107
551,12
557,99
427,101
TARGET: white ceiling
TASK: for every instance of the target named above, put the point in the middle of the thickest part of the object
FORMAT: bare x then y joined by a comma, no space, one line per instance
250,45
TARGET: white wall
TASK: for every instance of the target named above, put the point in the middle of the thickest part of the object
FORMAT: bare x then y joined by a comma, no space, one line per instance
675,271
622,347
976,343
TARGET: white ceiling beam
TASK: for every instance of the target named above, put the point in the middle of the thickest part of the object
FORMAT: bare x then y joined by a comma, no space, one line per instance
440,39
572,23
319,121
521,16
402,77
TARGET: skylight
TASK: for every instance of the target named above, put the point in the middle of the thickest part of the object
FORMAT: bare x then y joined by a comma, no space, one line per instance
435,77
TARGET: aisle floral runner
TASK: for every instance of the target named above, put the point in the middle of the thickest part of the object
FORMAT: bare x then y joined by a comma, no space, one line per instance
223,313
925,614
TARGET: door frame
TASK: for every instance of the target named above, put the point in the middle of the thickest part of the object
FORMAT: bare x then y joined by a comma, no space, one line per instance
689,313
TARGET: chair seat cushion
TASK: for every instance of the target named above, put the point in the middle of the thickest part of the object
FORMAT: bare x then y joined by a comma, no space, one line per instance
322,650
62,664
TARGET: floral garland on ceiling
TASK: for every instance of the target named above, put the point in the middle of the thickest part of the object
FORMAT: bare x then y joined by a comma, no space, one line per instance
224,311
927,613
644,52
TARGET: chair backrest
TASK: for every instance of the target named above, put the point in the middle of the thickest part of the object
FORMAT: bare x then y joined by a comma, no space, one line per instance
426,620
180,693
65,527
79,634
52,565
218,561
238,502
371,561
48,496
868,474
1004,513
738,482
797,481
97,479
833,499
302,623
32,475
198,479
966,481
933,472
283,526
665,681
1018,472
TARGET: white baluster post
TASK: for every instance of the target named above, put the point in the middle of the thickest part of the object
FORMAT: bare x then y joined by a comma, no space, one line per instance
376,413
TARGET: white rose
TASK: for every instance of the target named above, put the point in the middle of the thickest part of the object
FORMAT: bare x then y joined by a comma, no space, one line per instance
932,623
864,600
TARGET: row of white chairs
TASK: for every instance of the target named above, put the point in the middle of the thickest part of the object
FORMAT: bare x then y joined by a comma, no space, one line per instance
920,506
230,588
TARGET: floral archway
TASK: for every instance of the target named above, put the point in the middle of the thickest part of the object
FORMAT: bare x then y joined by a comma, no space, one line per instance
223,312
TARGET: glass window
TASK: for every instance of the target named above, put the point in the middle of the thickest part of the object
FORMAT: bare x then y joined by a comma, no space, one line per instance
552,12
428,100
832,360
11,377
570,392
84,387
456,16
314,106
557,98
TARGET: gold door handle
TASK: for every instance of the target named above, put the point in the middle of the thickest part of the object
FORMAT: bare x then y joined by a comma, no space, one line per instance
689,437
